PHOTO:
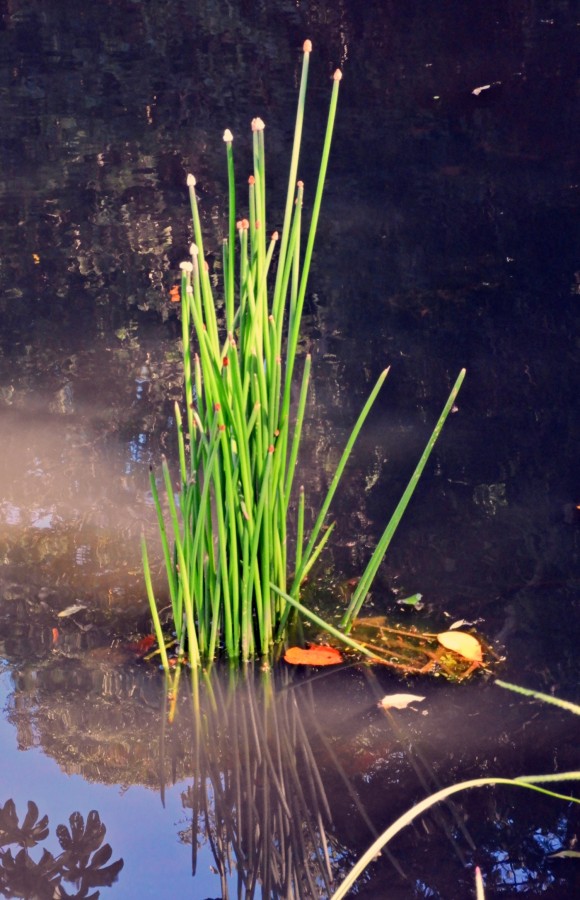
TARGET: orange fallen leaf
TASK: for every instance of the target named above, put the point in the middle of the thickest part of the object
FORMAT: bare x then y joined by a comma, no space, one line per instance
143,646
313,656
465,645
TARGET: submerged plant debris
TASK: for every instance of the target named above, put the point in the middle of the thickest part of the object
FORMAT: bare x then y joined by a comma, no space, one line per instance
454,655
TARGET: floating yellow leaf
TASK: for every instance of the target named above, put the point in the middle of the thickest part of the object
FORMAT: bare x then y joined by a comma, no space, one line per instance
465,645
399,701
313,656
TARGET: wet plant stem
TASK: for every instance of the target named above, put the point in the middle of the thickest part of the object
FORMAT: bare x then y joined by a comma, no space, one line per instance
229,577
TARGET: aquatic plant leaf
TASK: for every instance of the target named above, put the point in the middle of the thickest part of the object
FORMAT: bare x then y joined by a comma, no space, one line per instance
313,656
414,600
465,645
399,701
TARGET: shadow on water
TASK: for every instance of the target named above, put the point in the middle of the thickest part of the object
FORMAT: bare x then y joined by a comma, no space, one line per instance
82,862
449,238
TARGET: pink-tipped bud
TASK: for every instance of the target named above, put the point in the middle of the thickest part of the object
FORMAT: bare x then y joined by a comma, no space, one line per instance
228,136
337,75
307,47
251,179
205,265
258,124
257,224
221,427
271,448
216,407
240,224
275,235
245,224
300,185
190,181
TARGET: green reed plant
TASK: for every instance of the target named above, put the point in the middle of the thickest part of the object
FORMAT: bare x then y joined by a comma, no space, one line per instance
226,545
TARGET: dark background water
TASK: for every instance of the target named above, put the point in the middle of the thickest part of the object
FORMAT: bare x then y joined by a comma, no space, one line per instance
449,237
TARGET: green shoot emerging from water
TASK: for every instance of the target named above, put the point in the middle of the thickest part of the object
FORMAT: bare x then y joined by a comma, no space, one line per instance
226,543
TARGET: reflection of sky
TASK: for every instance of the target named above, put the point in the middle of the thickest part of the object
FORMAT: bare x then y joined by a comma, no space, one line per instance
136,454
138,829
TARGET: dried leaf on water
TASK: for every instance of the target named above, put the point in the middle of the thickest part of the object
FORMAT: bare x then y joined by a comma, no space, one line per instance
71,610
313,656
399,701
465,645
142,646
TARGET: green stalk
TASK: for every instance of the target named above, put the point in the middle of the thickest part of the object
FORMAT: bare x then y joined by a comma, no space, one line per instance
153,605
376,559
307,48
229,287
527,781
335,481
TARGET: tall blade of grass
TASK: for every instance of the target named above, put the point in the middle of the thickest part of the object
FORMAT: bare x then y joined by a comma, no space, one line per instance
537,695
231,246
153,605
307,49
376,559
293,335
297,431
169,567
335,481
526,781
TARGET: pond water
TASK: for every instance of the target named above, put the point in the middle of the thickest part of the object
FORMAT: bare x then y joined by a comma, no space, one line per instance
449,237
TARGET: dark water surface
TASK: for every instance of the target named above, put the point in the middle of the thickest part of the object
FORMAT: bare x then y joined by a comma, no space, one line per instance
449,237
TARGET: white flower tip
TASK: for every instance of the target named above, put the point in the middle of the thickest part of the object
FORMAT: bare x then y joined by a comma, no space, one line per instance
257,124
193,249
186,266
228,136
191,181
337,75
307,47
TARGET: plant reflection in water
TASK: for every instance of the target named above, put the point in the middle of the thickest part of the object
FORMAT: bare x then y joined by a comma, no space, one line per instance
257,794
84,861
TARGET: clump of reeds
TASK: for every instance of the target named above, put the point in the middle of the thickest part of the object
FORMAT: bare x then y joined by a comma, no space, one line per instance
231,583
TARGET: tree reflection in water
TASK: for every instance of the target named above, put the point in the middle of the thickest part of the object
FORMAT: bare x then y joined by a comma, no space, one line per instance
83,863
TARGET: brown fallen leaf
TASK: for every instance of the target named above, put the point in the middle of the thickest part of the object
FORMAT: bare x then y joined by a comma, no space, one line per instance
465,645
399,701
313,656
